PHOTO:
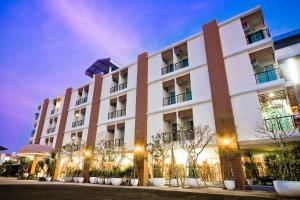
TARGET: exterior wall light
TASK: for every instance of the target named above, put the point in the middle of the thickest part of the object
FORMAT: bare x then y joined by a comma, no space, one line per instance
226,142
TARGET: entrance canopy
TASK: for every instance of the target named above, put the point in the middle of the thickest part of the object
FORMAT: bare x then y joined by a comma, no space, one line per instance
36,149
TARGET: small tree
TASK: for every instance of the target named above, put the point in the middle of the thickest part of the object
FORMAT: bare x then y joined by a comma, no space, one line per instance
194,140
251,170
279,129
159,151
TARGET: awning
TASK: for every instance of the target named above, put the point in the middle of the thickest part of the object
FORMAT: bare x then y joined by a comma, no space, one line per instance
101,66
34,149
2,148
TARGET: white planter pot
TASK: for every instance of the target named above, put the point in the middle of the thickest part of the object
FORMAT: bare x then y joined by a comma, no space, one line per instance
100,180
134,182
229,184
249,181
107,181
80,179
195,182
174,182
67,178
116,181
93,180
287,188
75,179
48,179
160,182
25,175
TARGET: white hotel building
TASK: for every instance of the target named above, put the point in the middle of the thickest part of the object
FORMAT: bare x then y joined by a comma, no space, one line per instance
230,69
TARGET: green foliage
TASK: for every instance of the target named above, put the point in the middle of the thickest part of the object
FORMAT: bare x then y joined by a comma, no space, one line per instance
157,171
194,170
78,173
94,172
251,169
25,165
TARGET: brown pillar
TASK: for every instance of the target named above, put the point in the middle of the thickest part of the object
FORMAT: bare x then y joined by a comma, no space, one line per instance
140,139
63,120
221,100
61,129
92,131
41,122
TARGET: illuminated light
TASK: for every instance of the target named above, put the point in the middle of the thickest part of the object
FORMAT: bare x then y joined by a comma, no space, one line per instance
87,153
293,72
138,149
271,95
180,156
226,142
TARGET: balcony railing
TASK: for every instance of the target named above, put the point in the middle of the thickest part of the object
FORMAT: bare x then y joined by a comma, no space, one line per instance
36,116
267,76
257,36
78,123
117,113
51,130
118,87
168,69
81,101
283,123
170,136
119,142
32,133
169,100
182,64
109,143
76,147
184,97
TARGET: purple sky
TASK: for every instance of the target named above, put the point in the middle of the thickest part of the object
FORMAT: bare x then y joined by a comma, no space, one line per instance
45,45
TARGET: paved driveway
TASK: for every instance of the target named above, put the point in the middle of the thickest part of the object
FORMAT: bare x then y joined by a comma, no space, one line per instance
11,188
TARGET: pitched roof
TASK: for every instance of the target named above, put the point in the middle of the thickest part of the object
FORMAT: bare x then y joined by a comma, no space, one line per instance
36,149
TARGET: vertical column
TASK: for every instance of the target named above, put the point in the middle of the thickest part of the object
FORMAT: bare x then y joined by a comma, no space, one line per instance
41,122
63,120
140,139
61,128
221,100
92,131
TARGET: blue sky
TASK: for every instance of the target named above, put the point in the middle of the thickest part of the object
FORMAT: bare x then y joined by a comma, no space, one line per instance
45,45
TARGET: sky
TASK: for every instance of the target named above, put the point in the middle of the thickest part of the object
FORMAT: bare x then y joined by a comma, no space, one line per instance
46,45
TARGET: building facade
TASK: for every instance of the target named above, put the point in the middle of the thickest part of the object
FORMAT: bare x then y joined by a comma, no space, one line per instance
233,69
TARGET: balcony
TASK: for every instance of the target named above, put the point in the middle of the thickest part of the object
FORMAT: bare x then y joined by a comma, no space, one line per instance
182,64
267,76
284,123
170,136
54,111
118,87
109,143
119,142
169,100
36,116
81,101
184,97
167,69
78,123
257,36
32,133
118,113
51,130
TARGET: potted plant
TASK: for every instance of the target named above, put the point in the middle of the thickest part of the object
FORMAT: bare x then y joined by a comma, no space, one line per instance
159,151
251,170
25,165
131,173
194,140
69,174
174,178
287,181
107,176
93,173
78,176
51,164
117,176
101,176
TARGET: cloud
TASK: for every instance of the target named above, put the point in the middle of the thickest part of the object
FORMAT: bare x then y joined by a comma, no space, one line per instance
100,26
